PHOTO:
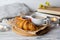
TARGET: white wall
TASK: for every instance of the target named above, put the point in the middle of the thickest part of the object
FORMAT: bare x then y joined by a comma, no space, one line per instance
31,3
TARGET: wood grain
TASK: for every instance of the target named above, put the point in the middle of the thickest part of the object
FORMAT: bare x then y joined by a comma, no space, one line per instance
50,10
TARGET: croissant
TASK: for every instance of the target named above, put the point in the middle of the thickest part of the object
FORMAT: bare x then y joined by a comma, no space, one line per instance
32,27
25,24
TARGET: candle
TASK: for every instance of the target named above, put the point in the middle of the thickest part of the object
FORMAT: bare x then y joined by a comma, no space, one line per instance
54,19
1,26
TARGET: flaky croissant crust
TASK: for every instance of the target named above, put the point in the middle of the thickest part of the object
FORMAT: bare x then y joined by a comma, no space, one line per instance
25,24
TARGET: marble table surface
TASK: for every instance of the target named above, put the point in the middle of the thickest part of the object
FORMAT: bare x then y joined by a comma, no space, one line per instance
54,34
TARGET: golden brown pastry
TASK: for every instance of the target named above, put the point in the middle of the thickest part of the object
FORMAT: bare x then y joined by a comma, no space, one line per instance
20,25
25,24
32,27
18,18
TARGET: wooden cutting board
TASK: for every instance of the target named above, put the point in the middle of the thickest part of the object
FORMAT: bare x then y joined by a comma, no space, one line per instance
50,10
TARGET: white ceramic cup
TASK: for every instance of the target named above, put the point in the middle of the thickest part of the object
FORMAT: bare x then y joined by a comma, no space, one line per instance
37,21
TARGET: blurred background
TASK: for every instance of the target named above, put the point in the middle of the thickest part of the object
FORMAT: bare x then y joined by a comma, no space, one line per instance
31,3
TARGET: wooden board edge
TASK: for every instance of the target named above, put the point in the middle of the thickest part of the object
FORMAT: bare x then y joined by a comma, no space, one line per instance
48,11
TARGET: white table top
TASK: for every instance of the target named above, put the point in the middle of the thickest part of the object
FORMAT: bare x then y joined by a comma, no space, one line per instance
52,35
